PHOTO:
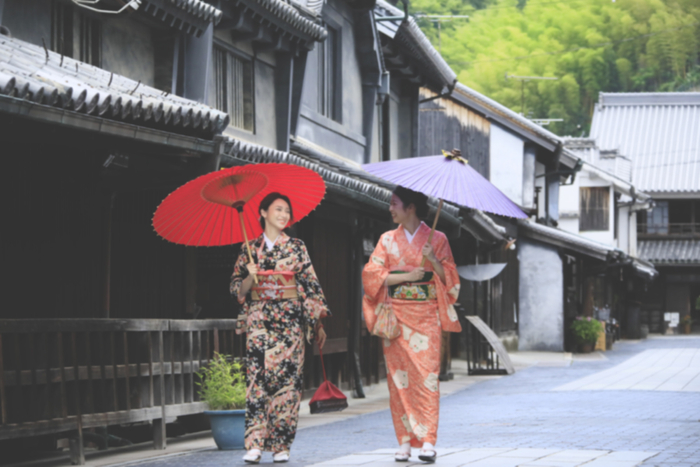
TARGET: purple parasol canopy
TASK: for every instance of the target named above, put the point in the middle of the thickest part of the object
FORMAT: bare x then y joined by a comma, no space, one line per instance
448,177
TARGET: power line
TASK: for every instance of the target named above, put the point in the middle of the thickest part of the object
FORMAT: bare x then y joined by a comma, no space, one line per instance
574,49
500,7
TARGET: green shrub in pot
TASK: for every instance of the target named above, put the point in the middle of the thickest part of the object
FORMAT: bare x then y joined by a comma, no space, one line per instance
586,330
223,389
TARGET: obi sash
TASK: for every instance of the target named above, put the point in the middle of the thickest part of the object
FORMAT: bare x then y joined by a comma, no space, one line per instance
422,291
275,285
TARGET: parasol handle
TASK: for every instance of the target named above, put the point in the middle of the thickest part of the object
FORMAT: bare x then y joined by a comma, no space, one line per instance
432,231
245,236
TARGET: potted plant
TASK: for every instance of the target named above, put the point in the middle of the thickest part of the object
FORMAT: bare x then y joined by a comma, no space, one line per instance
585,331
685,323
223,389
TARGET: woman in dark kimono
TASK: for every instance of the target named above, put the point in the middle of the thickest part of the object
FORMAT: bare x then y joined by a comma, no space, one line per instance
277,313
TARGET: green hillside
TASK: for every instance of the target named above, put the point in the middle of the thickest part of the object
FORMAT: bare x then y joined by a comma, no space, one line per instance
590,45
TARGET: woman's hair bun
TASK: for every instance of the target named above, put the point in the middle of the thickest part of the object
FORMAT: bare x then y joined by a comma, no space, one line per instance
419,200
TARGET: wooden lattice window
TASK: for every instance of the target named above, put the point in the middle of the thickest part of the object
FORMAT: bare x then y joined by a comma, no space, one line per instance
594,209
233,76
75,34
328,55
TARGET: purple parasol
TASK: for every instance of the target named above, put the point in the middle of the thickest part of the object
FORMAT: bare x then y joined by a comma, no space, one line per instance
450,178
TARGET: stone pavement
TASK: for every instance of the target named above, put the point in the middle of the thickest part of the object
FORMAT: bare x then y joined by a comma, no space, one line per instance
503,457
545,414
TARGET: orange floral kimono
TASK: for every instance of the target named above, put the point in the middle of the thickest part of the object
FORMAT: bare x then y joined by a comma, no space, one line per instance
423,311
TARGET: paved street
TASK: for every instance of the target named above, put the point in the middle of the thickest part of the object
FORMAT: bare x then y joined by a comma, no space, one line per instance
638,405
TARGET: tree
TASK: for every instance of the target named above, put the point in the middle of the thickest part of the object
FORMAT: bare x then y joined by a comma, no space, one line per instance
590,45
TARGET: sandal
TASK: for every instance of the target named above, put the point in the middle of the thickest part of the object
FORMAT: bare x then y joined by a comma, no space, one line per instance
279,457
253,456
402,456
426,457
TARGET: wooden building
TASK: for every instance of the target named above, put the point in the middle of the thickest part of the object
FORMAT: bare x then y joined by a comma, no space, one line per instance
102,116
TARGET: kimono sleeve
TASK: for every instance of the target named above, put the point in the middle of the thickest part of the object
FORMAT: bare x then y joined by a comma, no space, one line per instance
447,291
374,277
452,284
313,301
240,272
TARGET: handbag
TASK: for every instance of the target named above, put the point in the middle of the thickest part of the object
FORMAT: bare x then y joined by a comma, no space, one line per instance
327,398
386,326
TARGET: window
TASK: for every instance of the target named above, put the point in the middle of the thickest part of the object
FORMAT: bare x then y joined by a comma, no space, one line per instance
233,78
657,219
75,34
328,54
594,203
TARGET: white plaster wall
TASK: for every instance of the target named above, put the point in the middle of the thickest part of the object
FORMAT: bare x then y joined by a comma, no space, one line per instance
602,236
506,163
569,199
127,49
623,230
633,235
541,318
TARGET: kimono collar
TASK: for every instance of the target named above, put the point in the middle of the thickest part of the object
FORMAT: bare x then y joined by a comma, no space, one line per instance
410,236
420,236
268,242
261,241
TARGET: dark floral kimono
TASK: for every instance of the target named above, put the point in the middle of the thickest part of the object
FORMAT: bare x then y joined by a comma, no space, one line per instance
275,342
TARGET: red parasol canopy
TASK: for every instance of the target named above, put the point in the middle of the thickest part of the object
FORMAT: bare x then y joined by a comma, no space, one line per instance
205,211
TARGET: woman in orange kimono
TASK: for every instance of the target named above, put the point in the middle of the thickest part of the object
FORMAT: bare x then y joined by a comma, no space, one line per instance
423,307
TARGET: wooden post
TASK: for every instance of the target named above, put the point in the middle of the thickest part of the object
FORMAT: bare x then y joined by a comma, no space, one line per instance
18,372
191,372
432,231
77,453
88,356
32,392
62,367
3,409
173,380
127,387
159,441
150,370
106,288
115,371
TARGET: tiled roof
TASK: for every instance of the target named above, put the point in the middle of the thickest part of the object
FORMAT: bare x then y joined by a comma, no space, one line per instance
287,14
659,132
586,246
199,9
190,16
413,40
34,74
345,179
670,251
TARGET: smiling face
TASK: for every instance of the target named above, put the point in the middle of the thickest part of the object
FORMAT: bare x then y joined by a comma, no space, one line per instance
277,215
400,214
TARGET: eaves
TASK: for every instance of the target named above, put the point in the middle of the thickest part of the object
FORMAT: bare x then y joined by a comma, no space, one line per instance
345,180
507,118
566,240
185,145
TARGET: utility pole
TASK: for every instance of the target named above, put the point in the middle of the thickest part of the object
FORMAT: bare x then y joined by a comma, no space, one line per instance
523,80
439,19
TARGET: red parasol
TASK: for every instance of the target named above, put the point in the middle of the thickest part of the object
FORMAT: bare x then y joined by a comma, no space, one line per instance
221,208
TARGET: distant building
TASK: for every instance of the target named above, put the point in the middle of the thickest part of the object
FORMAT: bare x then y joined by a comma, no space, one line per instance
660,134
